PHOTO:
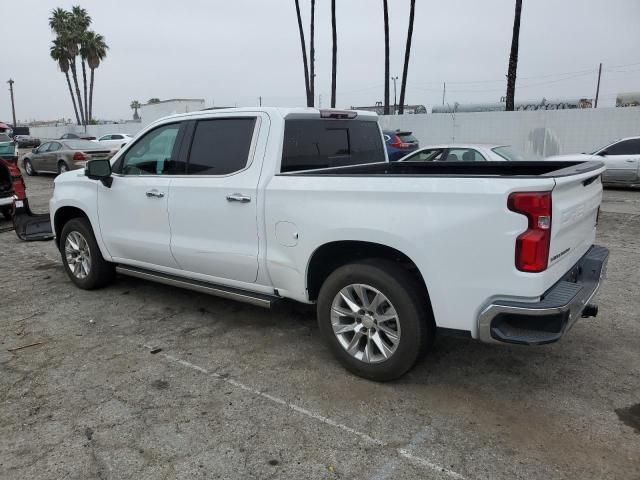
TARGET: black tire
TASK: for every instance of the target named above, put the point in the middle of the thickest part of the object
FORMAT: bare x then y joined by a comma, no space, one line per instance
101,272
62,167
28,168
408,298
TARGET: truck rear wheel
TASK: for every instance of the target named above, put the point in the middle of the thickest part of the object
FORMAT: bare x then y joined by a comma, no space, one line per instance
81,256
374,318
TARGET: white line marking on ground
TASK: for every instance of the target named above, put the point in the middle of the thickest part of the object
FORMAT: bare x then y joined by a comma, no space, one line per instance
403,453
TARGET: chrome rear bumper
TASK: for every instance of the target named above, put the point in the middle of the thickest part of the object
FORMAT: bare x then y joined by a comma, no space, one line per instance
545,321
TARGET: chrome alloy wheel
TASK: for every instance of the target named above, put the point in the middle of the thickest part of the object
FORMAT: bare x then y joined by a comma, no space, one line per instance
78,255
365,323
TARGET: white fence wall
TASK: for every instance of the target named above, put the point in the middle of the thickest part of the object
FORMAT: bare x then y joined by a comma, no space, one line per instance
543,132
97,131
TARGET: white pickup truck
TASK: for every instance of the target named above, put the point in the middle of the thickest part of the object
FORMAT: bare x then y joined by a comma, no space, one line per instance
261,204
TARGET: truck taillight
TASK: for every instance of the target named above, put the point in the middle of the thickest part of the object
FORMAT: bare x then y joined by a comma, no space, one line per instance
532,246
79,157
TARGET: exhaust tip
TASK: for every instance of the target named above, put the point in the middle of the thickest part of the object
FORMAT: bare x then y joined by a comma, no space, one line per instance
590,310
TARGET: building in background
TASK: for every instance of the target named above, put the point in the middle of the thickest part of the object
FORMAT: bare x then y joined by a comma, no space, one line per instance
151,112
628,99
544,104
379,109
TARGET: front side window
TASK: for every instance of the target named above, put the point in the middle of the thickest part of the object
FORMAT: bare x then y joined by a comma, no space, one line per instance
313,143
220,146
43,148
431,155
626,147
105,137
154,153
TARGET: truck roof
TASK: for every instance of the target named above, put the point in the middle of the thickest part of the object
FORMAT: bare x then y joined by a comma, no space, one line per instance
284,112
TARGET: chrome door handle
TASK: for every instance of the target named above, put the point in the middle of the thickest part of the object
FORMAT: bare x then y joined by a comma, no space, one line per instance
238,197
154,193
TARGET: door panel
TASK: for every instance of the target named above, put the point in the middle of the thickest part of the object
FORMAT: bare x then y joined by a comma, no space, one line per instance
621,168
214,218
135,226
38,159
133,214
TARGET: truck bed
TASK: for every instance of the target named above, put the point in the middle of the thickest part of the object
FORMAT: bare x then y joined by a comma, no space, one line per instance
459,169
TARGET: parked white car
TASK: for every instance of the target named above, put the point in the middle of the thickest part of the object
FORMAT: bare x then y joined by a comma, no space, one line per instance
261,204
115,139
622,159
466,152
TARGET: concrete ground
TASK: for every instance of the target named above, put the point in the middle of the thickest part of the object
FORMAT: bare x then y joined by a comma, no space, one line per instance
234,391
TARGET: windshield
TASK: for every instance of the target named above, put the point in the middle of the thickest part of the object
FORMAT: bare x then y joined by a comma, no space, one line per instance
508,153
82,145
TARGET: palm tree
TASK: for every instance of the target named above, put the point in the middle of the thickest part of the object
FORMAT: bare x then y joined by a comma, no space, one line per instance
304,52
407,54
135,105
61,22
312,55
59,53
80,22
334,54
385,9
58,20
513,58
95,51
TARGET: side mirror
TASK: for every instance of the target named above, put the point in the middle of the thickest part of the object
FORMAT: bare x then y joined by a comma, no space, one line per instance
99,170
33,150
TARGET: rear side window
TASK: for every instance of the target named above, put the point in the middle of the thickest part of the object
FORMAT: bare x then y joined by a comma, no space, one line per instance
626,147
314,143
220,146
407,137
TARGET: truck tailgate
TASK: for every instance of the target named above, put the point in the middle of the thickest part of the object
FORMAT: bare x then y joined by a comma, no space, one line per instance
575,202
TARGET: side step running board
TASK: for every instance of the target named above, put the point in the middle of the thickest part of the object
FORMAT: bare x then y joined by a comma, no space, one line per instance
259,299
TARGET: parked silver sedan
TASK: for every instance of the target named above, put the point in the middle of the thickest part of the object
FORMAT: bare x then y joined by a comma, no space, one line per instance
622,159
59,156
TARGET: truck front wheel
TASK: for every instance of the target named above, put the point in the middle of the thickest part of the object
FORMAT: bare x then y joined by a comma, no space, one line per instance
81,256
375,319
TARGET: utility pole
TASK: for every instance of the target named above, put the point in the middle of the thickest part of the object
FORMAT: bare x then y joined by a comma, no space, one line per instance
260,101
395,101
597,88
444,91
13,107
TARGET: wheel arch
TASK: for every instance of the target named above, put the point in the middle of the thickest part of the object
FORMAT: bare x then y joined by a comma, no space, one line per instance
330,256
63,215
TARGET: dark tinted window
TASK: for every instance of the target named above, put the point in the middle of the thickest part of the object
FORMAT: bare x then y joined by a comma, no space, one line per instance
221,146
116,137
626,147
310,144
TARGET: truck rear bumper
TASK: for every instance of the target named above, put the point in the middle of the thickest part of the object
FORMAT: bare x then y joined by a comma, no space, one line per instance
545,321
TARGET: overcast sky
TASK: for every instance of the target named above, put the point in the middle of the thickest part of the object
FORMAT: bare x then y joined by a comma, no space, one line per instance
231,52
